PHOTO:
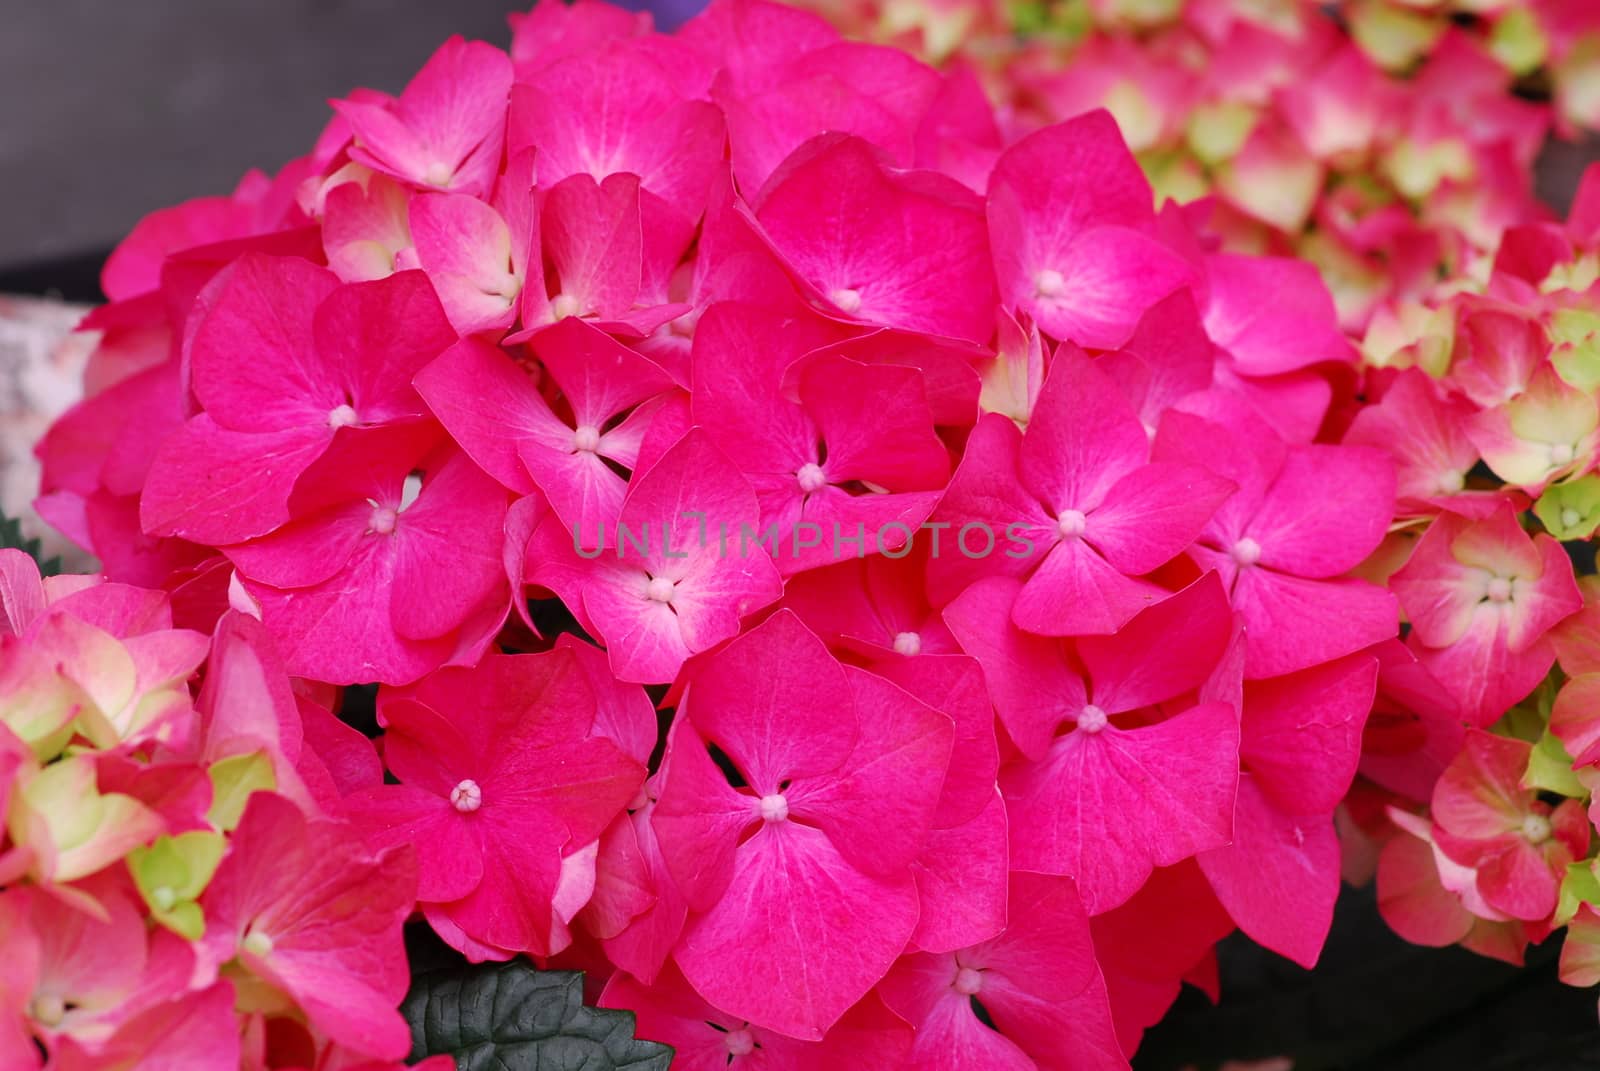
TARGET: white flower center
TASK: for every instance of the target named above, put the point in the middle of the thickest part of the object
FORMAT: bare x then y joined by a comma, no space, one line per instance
811,477
1071,523
562,306
968,981
1246,552
774,808
257,944
342,417
586,438
1536,829
1562,454
660,589
1570,517
740,1042
1450,483
163,897
1049,283
847,299
383,519
466,797
1499,590
48,1009
908,644
1091,719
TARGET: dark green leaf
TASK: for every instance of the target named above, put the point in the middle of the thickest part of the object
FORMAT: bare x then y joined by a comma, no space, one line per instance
11,539
512,1017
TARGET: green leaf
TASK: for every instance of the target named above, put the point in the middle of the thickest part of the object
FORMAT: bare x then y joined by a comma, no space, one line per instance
1550,768
11,539
513,1017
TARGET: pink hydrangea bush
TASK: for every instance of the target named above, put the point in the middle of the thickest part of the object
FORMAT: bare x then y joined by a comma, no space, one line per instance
1479,766
957,548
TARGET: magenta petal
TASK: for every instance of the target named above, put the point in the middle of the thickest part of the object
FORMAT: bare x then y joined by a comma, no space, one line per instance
1076,592
878,806
1164,652
1152,514
449,544
489,405
510,907
254,360
1301,734
1279,877
449,861
1105,808
800,936
214,486
954,685
961,881
1293,623
1327,510
778,703
377,336
918,258
1296,327
698,818
1082,438
1032,684
1040,979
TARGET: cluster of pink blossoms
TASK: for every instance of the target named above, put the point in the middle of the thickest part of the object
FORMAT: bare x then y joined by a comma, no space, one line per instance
179,887
1389,142
961,549
1482,751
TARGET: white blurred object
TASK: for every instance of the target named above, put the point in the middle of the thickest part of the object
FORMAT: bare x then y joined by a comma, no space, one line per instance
41,376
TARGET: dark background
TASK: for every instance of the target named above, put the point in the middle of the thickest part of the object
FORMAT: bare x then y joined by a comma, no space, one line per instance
109,110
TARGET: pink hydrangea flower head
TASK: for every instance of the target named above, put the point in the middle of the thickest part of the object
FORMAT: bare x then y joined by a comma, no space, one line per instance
807,864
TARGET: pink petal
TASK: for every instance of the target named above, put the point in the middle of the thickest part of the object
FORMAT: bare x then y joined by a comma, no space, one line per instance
1167,650
878,806
1033,685
1301,734
1294,623
917,258
254,360
1076,592
1279,877
778,703
800,936
961,881
1104,808
215,486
